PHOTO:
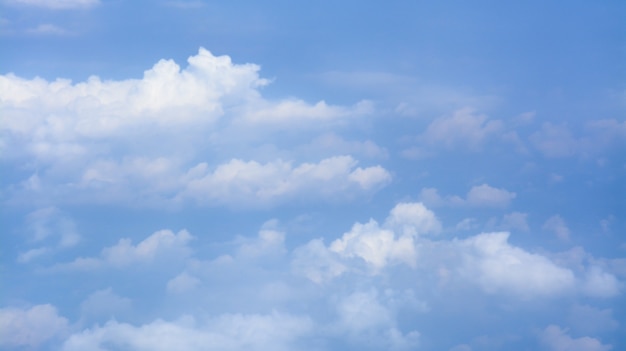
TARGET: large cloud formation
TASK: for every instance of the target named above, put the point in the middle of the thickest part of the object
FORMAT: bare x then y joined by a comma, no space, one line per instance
175,135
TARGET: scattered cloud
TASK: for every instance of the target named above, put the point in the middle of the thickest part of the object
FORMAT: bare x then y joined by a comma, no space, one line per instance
240,182
498,266
482,195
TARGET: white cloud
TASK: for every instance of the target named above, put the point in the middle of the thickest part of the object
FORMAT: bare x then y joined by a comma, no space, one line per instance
57,4
50,119
31,327
163,244
598,283
377,246
412,219
557,225
482,195
557,339
252,183
227,332
463,129
497,266
142,141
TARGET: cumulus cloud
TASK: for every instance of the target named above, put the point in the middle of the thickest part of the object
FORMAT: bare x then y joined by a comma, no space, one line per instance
557,339
227,332
375,245
146,141
252,182
482,195
48,116
498,266
162,244
30,327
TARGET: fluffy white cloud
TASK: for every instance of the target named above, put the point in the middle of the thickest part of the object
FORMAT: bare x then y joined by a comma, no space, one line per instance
48,119
463,129
227,332
482,195
412,219
146,141
557,339
498,266
163,244
254,183
31,327
377,246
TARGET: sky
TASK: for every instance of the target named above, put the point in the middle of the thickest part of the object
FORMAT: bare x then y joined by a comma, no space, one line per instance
329,175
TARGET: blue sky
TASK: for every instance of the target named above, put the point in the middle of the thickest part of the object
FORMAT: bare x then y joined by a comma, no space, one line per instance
408,175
